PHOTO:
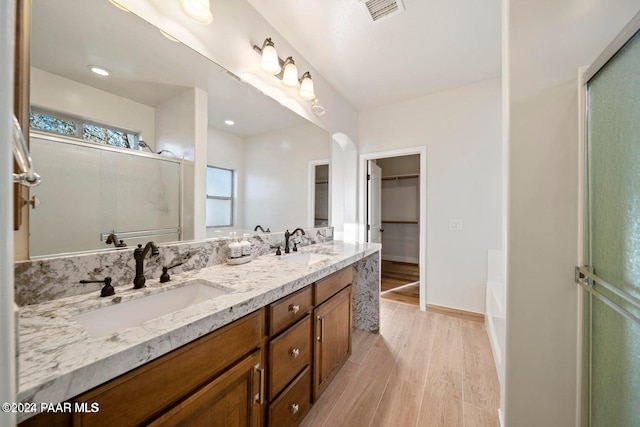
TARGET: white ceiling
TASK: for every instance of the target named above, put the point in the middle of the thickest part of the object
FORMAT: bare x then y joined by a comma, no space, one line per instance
432,46
68,35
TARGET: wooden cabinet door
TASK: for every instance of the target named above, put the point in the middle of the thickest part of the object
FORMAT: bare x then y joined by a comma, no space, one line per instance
234,399
332,339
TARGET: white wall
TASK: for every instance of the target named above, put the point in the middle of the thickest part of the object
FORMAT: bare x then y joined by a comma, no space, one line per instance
277,178
182,129
227,151
343,185
228,41
7,332
461,130
548,40
52,92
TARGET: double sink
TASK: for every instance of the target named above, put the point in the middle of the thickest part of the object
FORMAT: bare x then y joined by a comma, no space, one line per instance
114,318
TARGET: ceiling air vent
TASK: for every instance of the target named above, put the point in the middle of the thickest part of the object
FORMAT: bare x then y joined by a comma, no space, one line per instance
380,9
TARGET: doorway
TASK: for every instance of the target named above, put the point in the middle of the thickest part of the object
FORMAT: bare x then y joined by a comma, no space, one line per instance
395,214
319,203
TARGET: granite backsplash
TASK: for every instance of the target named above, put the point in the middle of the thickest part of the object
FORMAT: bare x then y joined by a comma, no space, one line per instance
47,279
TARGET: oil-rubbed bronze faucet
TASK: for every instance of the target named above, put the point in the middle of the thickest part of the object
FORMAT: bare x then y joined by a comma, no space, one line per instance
287,235
114,239
138,254
260,227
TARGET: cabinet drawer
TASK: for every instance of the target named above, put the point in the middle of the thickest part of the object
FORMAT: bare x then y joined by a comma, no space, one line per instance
289,353
293,405
287,311
329,286
145,392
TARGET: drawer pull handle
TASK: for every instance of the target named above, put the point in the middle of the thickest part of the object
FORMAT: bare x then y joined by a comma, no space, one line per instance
294,408
294,308
259,397
295,352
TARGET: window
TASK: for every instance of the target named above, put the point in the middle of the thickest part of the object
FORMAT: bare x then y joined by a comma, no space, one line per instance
82,129
219,197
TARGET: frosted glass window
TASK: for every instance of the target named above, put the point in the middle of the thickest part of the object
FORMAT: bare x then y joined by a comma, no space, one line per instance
219,213
48,123
80,128
219,197
613,239
107,136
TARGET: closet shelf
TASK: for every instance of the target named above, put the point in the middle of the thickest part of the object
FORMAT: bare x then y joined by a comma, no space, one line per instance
400,222
396,177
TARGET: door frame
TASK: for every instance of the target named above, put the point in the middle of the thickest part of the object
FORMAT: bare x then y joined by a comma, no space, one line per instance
370,181
8,374
585,74
362,183
311,200
582,156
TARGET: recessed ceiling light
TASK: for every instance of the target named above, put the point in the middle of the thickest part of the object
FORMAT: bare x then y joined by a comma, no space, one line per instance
118,5
229,122
99,70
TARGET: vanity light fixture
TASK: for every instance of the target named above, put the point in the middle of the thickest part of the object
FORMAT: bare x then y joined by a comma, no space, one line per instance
306,87
270,61
287,72
317,108
99,70
198,10
290,73
229,122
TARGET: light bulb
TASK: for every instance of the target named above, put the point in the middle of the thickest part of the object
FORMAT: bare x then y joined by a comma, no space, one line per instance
290,74
198,10
270,62
306,87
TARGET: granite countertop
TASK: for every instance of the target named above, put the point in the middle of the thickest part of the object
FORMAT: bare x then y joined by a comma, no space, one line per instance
58,359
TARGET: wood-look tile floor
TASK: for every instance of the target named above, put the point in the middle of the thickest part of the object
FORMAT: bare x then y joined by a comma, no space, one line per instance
399,282
423,369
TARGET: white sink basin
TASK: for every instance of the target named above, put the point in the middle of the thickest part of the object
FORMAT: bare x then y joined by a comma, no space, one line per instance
307,258
114,318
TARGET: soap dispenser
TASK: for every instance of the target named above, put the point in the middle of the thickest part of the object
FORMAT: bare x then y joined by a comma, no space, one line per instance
245,245
235,248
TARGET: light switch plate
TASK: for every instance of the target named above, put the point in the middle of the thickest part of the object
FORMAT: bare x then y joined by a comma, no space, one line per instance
455,224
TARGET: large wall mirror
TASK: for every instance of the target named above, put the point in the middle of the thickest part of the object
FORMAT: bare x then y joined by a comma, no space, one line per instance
154,100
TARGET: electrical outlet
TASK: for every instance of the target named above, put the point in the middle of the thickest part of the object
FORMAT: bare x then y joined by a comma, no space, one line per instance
455,224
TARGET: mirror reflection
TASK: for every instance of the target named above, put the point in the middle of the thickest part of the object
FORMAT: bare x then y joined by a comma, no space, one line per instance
167,146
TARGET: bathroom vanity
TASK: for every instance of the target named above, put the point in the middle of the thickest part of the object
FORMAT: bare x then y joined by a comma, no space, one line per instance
270,343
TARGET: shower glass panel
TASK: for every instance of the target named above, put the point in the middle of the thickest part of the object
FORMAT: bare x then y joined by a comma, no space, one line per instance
611,351
88,191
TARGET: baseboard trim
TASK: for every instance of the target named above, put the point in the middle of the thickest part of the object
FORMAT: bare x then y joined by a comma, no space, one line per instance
456,312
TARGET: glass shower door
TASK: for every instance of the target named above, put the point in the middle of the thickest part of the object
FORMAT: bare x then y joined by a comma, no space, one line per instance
611,347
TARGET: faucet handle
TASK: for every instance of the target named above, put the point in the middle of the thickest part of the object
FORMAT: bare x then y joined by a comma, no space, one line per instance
164,277
295,247
107,290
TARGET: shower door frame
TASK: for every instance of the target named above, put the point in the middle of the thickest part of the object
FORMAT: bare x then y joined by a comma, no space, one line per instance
584,276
